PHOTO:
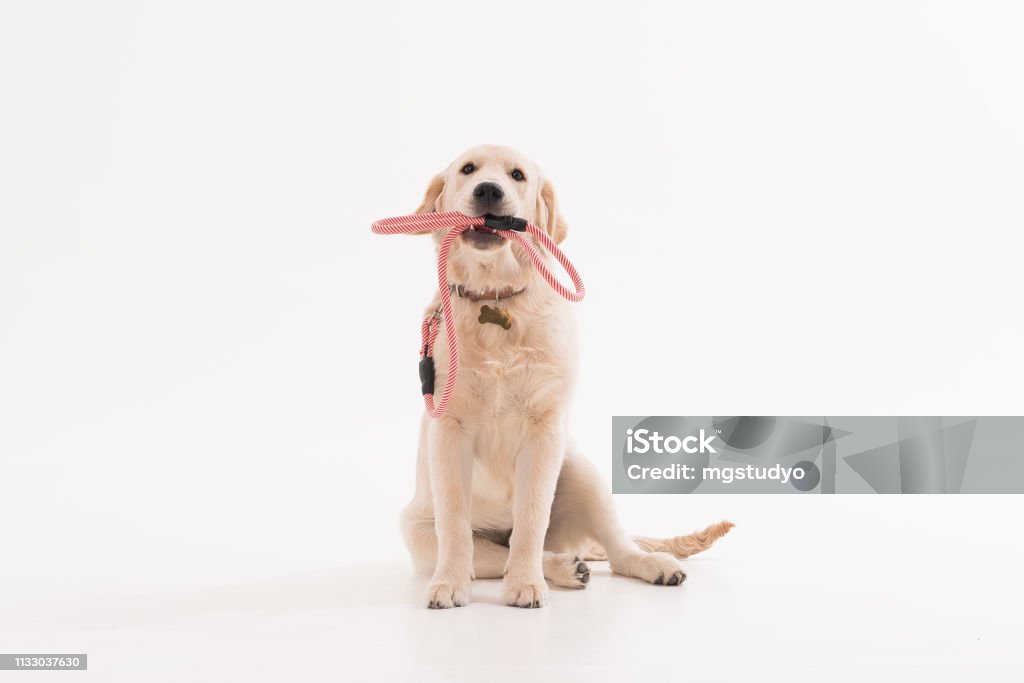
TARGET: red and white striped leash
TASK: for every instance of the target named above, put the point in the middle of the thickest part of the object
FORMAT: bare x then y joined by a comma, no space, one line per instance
510,228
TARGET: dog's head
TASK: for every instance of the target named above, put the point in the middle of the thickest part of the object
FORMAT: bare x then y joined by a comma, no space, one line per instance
500,181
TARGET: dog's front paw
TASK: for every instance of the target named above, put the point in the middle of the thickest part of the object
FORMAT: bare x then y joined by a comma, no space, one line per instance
523,591
445,593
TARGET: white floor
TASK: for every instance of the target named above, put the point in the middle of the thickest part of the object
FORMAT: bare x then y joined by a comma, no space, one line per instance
813,588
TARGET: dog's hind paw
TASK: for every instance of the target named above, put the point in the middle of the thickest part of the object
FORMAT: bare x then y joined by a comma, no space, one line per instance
658,568
661,569
565,570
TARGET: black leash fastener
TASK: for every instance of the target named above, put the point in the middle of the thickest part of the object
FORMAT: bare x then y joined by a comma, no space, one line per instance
505,223
427,375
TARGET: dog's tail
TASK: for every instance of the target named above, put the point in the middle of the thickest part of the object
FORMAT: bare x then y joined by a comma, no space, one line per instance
684,546
679,546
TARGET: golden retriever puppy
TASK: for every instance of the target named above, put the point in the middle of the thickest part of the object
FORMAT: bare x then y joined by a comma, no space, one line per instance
500,492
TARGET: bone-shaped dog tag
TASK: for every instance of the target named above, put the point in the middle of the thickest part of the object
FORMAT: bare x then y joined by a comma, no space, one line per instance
496,316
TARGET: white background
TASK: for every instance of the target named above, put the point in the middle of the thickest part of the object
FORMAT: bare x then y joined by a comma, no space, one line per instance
207,426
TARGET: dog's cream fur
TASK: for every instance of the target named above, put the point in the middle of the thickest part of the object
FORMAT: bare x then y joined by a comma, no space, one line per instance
500,491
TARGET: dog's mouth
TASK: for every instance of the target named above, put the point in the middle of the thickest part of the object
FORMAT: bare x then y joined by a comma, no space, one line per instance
482,238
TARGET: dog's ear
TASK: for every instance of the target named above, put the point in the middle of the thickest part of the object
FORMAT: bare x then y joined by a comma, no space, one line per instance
549,215
432,199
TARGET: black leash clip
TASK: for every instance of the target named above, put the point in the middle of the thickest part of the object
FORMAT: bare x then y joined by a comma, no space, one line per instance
505,223
427,375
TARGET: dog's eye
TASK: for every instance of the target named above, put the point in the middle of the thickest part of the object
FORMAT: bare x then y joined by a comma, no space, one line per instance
468,168
517,175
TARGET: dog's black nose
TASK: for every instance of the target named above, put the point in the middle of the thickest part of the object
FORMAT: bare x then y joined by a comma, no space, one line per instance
487,193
